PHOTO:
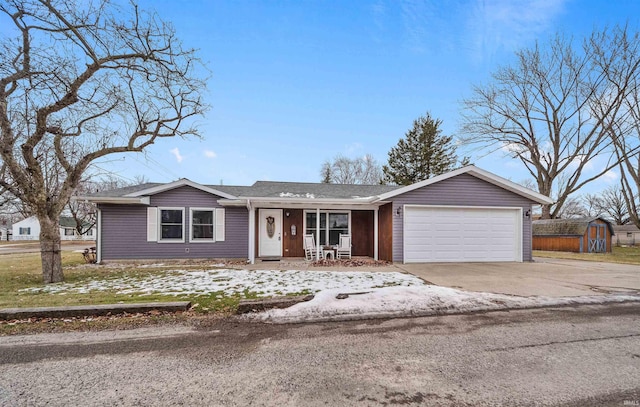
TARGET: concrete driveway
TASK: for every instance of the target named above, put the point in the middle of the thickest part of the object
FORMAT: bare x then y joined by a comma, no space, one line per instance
548,277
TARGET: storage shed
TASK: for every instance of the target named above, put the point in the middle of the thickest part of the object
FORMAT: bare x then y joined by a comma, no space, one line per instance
579,235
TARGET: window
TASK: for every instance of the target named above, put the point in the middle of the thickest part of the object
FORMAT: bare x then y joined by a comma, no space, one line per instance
331,226
172,224
89,232
202,225
69,232
25,231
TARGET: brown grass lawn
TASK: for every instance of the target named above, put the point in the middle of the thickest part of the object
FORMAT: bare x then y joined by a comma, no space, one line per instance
625,255
20,271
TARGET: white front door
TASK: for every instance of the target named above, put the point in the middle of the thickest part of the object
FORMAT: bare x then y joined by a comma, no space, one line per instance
270,226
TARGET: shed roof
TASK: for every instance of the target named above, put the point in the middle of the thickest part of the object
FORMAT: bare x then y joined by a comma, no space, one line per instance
565,227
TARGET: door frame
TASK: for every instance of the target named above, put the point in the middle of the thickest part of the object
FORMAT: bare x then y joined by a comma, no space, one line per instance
261,217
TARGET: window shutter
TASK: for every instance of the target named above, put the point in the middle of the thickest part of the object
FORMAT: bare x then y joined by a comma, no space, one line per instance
152,224
219,224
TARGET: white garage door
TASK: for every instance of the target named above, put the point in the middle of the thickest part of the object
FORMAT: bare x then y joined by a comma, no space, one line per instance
449,234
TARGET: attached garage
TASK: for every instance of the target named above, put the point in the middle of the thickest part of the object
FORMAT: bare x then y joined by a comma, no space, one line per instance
461,234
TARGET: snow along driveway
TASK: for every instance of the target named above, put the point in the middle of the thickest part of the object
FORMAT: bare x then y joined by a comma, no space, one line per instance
389,302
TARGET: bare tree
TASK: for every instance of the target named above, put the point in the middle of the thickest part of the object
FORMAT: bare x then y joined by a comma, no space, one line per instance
554,108
611,203
79,81
592,205
626,139
344,170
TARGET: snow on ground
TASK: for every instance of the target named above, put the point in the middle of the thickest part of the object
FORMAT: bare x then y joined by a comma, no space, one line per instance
370,295
414,301
267,283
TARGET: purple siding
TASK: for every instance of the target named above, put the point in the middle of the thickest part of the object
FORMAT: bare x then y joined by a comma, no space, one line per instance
124,229
462,190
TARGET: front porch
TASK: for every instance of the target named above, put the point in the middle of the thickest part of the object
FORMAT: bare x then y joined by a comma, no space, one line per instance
279,232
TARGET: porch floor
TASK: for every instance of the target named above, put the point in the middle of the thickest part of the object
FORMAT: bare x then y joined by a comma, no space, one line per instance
300,263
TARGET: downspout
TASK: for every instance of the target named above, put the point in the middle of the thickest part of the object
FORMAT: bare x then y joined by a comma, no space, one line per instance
99,238
252,233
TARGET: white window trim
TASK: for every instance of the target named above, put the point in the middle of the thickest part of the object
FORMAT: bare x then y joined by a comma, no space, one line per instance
171,208
313,211
213,218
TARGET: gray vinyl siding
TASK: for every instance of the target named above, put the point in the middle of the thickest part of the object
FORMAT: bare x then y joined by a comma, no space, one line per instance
124,229
462,190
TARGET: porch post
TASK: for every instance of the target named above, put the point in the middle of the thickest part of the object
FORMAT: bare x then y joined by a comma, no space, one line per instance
252,233
375,234
318,232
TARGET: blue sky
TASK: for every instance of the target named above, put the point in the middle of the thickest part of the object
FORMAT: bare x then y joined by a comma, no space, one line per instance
294,83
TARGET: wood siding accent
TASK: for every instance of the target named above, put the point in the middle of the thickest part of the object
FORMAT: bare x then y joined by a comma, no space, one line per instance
462,190
362,233
385,232
292,246
557,243
124,229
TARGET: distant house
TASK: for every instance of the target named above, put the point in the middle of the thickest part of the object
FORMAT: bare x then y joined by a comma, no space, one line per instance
627,235
580,235
5,233
29,229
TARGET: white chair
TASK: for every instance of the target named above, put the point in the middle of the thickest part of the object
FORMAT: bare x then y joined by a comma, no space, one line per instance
310,248
344,247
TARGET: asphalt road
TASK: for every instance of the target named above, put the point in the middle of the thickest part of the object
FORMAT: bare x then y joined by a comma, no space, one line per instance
584,356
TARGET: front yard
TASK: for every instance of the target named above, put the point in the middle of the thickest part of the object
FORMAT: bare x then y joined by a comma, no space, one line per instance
210,287
623,254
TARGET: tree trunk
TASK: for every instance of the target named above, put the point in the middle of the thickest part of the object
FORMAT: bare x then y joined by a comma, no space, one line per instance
546,212
50,251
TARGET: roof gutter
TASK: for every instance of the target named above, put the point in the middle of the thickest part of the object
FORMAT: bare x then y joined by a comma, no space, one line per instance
114,200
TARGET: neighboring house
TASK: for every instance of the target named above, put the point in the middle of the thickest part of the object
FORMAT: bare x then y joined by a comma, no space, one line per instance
579,235
29,229
464,215
626,235
5,233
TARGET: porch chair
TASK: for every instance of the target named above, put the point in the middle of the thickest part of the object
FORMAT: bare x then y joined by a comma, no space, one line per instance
310,248
344,247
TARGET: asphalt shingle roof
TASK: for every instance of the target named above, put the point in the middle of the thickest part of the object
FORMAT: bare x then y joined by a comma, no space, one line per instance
118,192
273,189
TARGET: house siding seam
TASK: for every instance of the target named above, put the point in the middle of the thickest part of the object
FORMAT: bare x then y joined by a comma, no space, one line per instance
462,190
124,229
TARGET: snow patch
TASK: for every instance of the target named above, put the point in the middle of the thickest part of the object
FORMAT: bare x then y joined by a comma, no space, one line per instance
292,195
414,301
267,283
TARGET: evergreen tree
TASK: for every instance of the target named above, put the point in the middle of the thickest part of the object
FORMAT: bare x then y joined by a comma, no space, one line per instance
326,173
423,153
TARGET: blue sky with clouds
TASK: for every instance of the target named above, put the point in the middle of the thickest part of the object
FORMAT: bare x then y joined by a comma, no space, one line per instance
294,83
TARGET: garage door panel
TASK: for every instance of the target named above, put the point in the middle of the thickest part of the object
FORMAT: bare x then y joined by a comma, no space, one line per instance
462,234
